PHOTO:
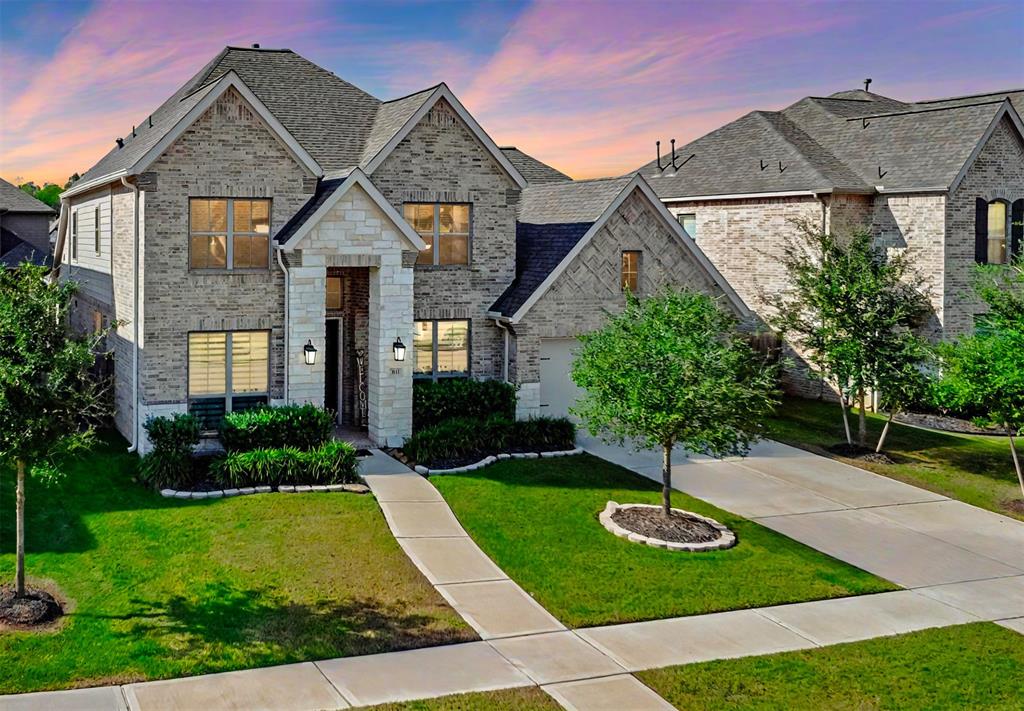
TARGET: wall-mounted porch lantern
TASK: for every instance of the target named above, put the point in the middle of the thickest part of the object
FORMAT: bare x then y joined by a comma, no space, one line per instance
309,353
399,349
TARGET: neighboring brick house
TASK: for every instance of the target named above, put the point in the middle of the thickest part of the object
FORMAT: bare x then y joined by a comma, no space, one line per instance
943,178
24,228
272,233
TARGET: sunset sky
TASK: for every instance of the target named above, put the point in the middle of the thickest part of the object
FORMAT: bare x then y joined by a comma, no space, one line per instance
585,86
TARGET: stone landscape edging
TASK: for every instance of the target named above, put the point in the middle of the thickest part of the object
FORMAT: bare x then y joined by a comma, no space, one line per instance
726,538
250,490
491,459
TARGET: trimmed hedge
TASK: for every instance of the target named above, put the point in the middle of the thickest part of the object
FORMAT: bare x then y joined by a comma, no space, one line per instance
435,402
333,462
463,438
170,463
299,426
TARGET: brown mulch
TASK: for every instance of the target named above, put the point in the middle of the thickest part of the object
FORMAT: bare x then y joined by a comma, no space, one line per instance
677,528
864,454
1015,506
37,607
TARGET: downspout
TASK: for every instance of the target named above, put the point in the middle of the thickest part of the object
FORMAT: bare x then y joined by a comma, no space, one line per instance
504,362
135,317
287,279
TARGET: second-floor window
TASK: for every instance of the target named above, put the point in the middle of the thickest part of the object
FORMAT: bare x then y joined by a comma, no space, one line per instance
445,229
96,229
997,232
229,233
689,222
630,277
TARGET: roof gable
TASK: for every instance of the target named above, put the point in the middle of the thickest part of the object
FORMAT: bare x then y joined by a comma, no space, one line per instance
326,197
442,92
14,199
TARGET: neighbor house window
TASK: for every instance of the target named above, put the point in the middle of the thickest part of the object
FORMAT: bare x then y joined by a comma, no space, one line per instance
630,278
333,293
441,349
997,232
74,235
96,229
689,222
227,372
229,233
445,229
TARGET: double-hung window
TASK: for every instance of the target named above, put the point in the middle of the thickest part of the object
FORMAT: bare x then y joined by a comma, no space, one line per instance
445,227
441,349
630,277
997,232
688,220
228,371
229,233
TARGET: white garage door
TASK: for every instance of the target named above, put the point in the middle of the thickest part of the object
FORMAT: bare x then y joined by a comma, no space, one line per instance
557,390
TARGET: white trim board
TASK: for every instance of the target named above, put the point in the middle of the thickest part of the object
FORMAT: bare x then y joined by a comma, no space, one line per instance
638,182
356,177
443,92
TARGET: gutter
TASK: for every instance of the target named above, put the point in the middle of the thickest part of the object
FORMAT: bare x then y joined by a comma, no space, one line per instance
135,317
287,283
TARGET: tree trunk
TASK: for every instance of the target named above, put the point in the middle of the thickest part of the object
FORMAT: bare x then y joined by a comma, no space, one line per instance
846,418
862,420
19,582
666,480
885,431
1016,459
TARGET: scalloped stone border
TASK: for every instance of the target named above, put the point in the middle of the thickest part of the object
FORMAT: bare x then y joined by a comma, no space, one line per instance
486,461
250,490
726,538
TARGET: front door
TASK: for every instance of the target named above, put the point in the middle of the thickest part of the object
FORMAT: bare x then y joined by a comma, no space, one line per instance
332,367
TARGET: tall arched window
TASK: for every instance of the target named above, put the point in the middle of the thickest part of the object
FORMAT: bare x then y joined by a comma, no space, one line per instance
998,231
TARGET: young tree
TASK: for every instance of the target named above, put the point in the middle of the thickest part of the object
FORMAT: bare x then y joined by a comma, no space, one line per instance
985,371
672,369
852,310
48,397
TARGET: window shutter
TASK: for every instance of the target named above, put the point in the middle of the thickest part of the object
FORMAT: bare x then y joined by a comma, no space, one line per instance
1016,227
980,231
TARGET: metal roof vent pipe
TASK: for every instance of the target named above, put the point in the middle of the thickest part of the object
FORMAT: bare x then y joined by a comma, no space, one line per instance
657,145
119,142
255,45
867,83
673,153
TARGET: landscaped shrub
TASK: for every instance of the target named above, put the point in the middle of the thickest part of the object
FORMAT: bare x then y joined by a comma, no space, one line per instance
299,426
435,402
169,464
333,462
464,438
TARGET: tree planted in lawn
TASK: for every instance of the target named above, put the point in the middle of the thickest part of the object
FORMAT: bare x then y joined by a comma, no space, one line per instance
48,396
673,369
985,371
852,310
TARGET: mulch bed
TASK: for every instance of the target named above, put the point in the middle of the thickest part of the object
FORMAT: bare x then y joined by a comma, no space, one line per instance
864,454
37,607
944,423
1015,505
677,528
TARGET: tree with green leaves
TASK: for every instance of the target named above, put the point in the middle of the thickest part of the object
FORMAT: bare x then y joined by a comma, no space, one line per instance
49,193
49,399
852,310
985,371
672,369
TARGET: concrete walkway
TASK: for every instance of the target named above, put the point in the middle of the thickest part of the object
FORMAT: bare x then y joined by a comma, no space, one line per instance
962,563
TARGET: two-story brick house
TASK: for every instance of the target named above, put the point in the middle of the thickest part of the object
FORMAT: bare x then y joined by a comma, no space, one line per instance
272,233
944,178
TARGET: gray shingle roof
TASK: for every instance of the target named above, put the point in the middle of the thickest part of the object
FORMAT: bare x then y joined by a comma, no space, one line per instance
535,172
14,251
389,119
323,191
329,117
575,201
552,219
851,141
14,199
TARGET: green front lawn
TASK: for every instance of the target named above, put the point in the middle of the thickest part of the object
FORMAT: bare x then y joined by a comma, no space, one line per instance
529,698
161,588
538,520
972,468
976,666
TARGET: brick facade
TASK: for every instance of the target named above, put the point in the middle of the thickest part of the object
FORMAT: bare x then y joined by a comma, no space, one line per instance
589,289
441,160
